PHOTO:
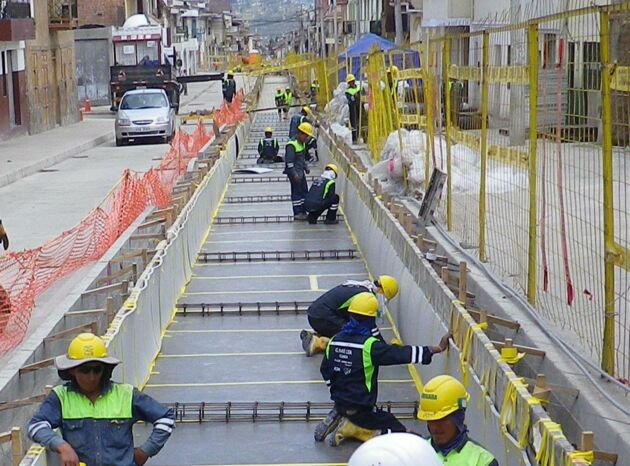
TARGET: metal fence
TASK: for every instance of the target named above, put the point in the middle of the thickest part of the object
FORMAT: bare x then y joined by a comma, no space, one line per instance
529,115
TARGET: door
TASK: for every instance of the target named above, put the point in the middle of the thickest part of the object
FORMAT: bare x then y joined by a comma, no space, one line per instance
92,61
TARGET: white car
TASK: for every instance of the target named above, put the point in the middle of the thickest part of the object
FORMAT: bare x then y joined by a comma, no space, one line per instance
144,113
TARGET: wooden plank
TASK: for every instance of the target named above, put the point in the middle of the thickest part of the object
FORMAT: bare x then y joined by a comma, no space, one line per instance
152,223
521,348
36,365
17,449
92,326
5,437
84,312
463,272
129,255
149,236
6,405
107,288
493,319
130,269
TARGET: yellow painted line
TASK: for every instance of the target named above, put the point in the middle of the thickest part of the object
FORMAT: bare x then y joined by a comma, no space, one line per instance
225,355
258,277
312,261
197,293
313,281
251,330
267,382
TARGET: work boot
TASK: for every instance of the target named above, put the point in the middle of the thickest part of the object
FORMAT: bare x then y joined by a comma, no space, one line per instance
313,344
329,424
312,218
300,217
331,221
305,337
347,429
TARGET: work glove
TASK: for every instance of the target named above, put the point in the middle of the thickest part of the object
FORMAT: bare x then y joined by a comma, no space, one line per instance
3,237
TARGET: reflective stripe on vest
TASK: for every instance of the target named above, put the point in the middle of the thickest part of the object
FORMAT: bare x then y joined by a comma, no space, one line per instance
297,145
470,455
368,367
115,404
327,188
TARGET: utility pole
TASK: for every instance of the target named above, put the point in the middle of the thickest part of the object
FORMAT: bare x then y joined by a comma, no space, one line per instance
335,26
321,29
398,22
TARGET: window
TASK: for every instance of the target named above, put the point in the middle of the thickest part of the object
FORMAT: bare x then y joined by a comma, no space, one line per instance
592,70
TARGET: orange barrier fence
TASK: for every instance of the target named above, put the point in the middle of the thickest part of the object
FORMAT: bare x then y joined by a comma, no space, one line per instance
230,114
25,275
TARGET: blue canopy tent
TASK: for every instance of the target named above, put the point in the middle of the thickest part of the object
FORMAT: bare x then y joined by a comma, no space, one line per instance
352,56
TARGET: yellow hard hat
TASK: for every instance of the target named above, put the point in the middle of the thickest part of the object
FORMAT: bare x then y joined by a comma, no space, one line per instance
364,304
333,167
268,129
84,348
350,78
389,285
279,89
306,128
307,110
392,69
441,396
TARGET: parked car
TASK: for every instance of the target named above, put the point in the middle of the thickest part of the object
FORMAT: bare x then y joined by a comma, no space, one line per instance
144,113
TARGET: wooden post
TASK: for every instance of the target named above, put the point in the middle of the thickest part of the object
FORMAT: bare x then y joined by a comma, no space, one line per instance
145,255
16,446
444,275
462,281
134,272
541,391
588,441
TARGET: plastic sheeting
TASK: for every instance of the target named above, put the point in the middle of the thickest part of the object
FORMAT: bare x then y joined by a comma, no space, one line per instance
465,169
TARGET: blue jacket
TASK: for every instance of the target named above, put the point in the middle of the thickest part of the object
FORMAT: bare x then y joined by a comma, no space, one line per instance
102,442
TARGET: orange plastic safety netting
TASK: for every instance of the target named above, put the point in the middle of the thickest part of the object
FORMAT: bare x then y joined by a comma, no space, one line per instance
25,275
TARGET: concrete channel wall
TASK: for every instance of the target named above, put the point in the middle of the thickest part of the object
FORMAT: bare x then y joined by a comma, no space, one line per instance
135,335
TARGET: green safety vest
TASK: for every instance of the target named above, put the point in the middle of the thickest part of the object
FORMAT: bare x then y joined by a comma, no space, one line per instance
297,145
115,404
353,90
470,454
329,185
368,366
288,97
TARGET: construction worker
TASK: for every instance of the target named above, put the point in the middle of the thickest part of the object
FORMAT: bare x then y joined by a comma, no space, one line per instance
296,169
4,239
288,101
443,406
321,196
314,89
229,87
329,313
268,148
96,415
350,368
353,96
311,144
297,120
279,99
399,449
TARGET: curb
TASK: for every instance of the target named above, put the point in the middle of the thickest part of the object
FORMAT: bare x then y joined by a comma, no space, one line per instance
23,172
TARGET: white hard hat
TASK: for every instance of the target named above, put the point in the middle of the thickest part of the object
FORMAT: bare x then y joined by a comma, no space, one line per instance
395,450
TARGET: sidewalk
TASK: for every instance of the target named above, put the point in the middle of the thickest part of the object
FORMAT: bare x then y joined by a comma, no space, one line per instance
26,155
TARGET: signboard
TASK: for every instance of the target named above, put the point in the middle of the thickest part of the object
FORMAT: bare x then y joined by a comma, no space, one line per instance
150,44
330,40
129,50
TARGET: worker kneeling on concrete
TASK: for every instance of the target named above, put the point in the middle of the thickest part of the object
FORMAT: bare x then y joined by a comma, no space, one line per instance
268,148
329,313
399,449
296,169
350,368
96,415
443,405
321,197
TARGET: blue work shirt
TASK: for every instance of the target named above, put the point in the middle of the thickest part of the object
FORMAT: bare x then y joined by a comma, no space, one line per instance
102,442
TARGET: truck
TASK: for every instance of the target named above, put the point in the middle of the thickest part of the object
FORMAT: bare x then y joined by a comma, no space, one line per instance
140,62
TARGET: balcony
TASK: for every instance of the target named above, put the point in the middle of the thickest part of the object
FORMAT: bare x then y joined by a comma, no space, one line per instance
62,14
16,22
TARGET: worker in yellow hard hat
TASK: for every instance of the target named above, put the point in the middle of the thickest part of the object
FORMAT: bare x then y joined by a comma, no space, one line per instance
314,89
229,87
288,101
350,368
296,169
268,148
322,197
95,414
443,406
329,313
353,96
297,120
279,100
